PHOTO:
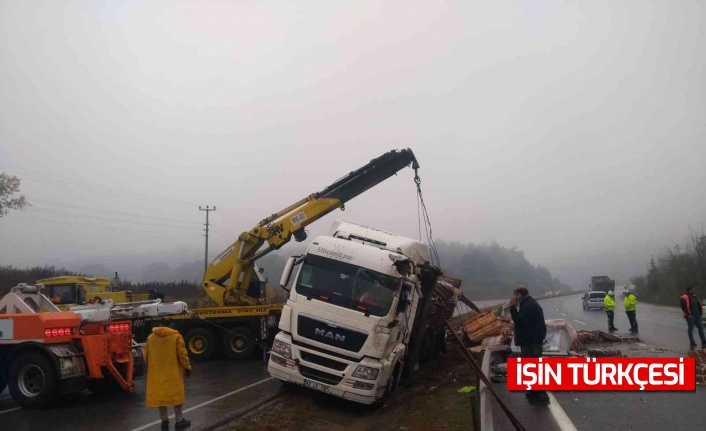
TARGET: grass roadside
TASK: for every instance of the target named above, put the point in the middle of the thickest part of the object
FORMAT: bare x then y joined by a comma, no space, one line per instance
432,402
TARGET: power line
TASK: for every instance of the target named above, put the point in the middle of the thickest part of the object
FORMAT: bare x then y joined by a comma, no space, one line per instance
109,219
92,226
41,176
112,212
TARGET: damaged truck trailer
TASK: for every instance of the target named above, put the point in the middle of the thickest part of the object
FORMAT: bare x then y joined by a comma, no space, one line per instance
365,309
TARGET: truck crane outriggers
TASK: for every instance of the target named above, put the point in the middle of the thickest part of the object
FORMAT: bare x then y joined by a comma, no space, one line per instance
243,313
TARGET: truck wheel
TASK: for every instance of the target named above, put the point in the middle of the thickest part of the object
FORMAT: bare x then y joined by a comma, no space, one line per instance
238,343
200,343
33,381
391,386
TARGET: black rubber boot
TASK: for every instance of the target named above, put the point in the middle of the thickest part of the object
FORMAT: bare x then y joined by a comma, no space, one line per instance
183,423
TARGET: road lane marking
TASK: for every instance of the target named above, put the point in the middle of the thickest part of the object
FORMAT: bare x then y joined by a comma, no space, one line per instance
10,410
641,344
563,314
205,403
560,416
583,323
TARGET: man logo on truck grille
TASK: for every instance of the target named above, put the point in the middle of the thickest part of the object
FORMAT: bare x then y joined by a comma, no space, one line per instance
329,334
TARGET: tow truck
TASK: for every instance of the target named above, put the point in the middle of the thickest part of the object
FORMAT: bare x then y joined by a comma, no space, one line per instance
242,314
46,352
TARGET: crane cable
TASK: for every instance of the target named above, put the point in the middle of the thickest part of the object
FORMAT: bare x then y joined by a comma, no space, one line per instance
422,213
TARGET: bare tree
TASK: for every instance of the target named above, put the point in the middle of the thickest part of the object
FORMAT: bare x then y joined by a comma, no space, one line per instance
9,185
697,243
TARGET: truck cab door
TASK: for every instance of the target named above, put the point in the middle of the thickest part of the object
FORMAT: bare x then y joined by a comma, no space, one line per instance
80,294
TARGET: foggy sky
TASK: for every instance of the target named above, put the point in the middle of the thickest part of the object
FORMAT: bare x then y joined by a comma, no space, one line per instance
571,130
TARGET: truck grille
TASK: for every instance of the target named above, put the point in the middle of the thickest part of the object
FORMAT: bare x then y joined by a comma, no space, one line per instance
324,362
319,376
337,335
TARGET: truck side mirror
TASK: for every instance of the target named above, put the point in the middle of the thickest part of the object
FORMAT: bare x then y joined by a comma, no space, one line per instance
287,272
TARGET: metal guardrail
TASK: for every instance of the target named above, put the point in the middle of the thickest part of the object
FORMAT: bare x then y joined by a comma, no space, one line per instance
486,407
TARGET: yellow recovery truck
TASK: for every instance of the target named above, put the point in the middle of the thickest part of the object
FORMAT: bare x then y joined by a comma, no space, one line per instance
68,290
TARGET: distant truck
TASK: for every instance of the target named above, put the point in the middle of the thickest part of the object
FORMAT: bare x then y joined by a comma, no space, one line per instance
602,283
364,311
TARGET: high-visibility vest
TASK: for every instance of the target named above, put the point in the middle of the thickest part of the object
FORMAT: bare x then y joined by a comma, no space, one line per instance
609,303
686,298
630,303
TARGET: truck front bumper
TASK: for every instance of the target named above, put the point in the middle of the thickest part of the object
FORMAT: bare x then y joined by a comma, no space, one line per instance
343,390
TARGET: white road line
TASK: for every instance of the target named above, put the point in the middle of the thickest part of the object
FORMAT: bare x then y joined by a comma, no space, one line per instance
560,416
583,323
641,344
10,410
205,403
563,314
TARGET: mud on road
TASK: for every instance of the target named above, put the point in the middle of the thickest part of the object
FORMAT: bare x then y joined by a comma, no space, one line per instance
431,402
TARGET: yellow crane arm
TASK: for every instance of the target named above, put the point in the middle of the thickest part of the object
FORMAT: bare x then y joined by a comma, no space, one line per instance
228,276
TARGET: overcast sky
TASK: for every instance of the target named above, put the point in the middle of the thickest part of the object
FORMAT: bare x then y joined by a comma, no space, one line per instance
573,130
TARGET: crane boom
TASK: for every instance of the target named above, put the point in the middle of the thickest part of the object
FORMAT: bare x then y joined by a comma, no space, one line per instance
230,273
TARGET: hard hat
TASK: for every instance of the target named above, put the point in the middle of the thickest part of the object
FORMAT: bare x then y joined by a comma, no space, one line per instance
610,292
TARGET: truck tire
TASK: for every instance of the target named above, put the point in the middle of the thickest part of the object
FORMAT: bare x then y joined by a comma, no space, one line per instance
200,343
392,382
238,343
33,381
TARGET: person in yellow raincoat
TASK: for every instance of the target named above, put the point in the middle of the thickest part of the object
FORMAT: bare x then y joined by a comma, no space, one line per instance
167,363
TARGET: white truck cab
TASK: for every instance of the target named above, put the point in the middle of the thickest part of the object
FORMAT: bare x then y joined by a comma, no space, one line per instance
346,326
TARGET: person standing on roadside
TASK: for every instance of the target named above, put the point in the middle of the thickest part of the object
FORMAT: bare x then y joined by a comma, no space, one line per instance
530,332
167,364
630,303
609,302
693,314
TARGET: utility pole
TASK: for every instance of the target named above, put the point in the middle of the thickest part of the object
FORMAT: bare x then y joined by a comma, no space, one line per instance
205,261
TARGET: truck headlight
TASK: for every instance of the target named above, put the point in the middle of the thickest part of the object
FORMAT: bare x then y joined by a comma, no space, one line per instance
366,373
283,349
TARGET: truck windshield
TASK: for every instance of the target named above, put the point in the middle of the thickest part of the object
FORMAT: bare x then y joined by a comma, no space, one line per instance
347,285
65,292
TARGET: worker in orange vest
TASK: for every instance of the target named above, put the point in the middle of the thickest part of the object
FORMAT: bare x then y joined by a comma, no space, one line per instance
693,313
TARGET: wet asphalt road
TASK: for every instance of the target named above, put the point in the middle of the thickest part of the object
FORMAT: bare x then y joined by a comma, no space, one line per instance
211,398
662,333
127,412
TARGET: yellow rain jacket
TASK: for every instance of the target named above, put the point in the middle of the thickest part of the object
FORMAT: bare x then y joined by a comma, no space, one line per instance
630,302
609,302
166,359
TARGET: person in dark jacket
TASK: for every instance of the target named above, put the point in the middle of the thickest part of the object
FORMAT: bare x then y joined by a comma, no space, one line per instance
693,314
530,332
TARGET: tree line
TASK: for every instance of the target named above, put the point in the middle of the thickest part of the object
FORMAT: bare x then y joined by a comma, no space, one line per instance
491,271
671,272
182,290
488,271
